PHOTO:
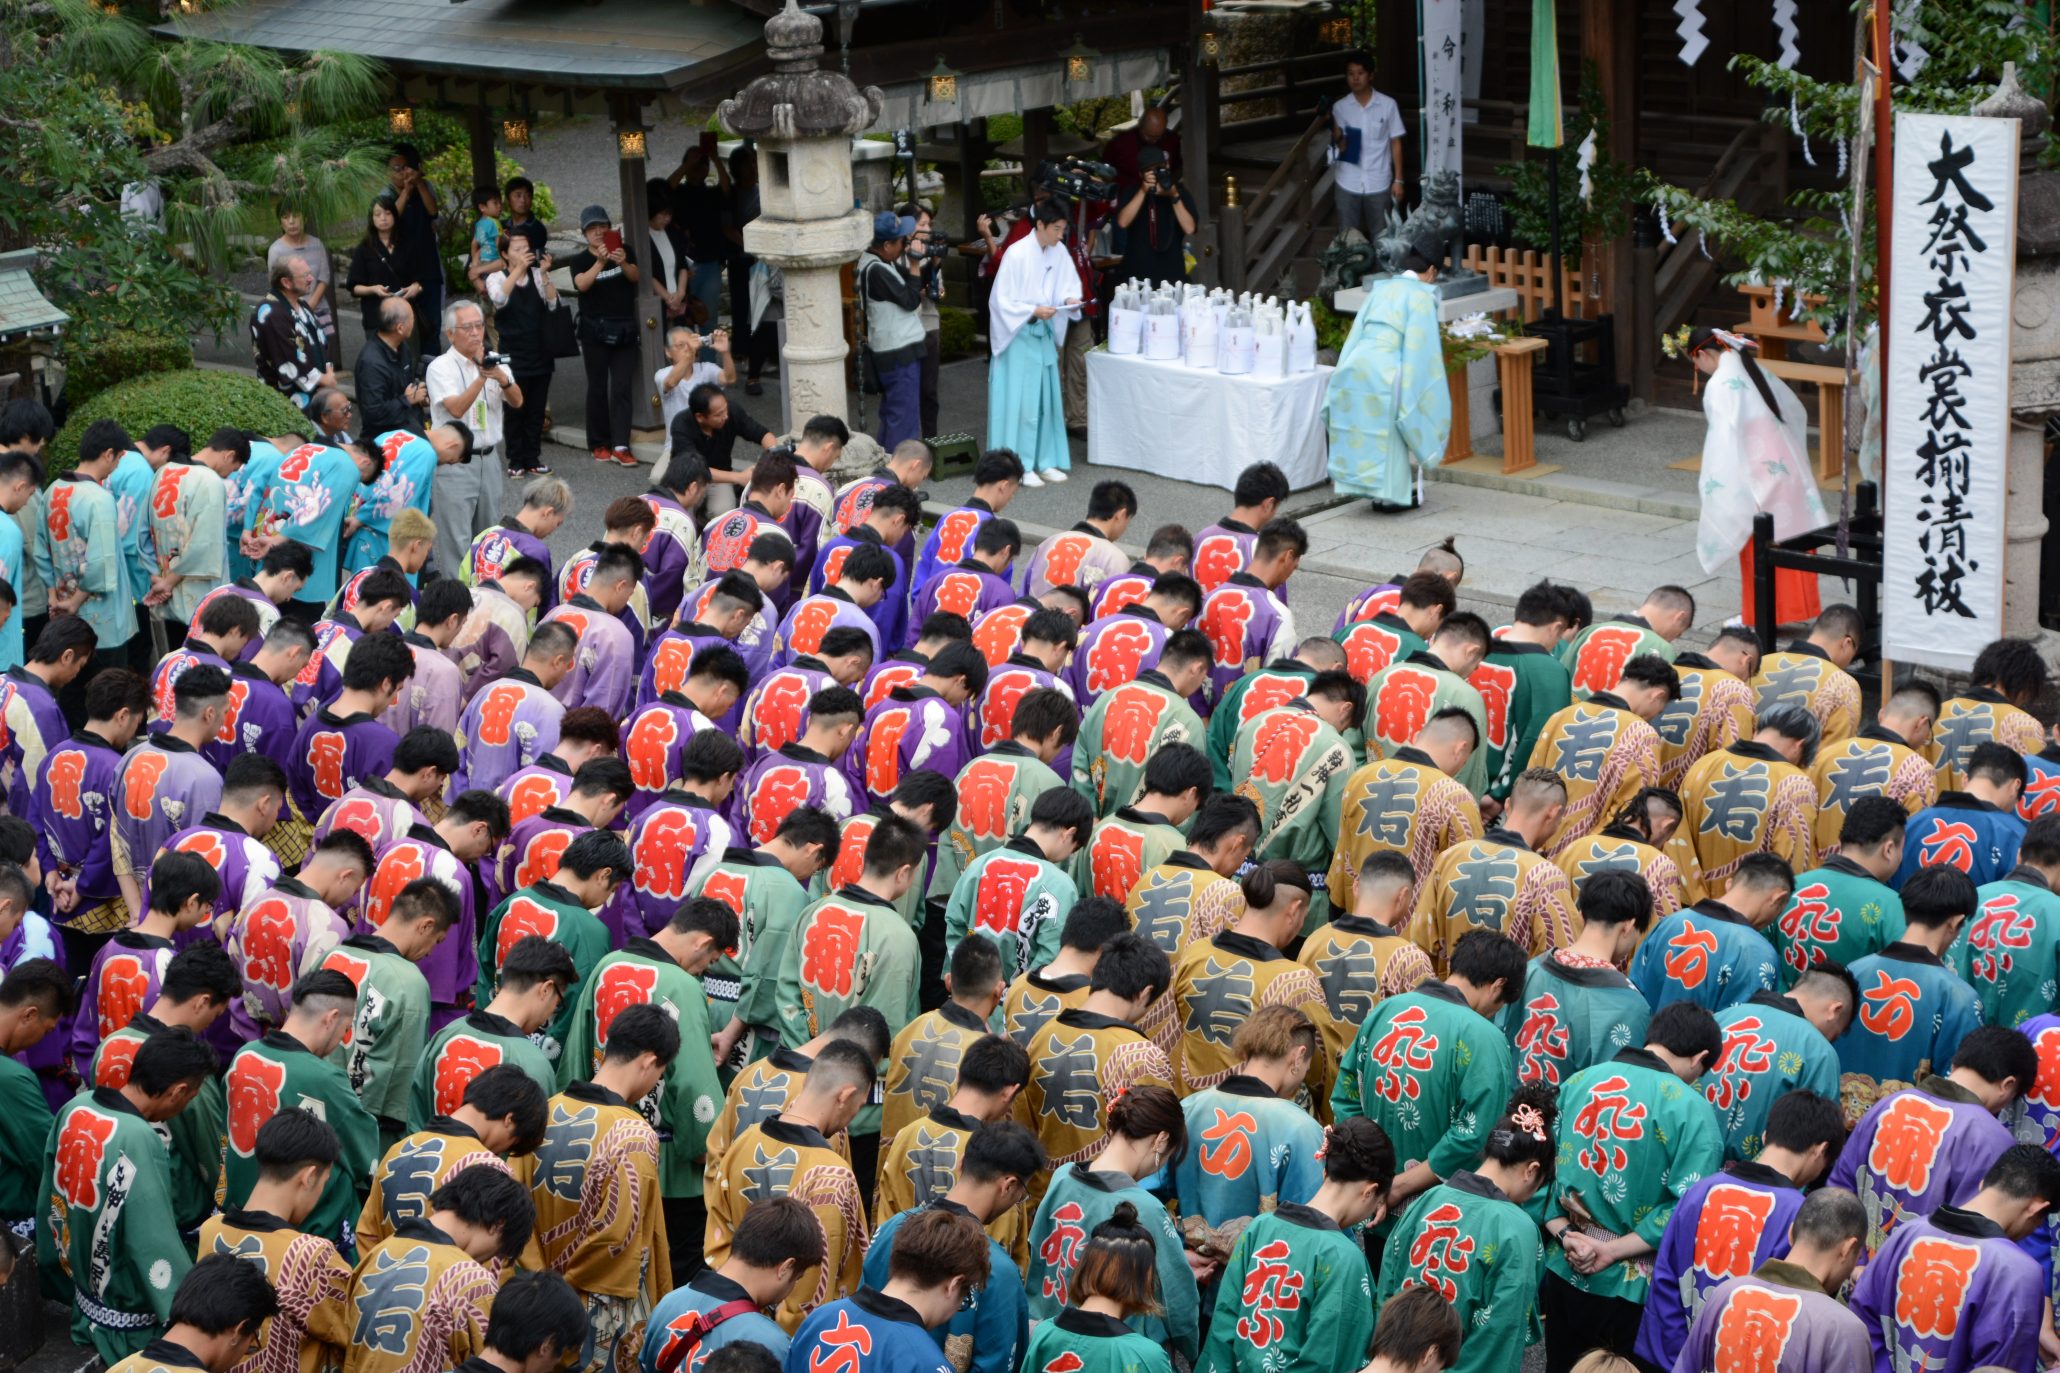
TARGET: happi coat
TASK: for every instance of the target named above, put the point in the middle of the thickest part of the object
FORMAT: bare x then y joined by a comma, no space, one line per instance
1770,1050
1122,729
1482,1252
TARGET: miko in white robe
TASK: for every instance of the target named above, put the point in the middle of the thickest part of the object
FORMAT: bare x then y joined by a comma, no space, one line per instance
1755,458
1035,287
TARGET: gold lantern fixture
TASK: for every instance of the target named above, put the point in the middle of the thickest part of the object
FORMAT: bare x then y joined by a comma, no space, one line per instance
631,144
515,132
1079,60
400,120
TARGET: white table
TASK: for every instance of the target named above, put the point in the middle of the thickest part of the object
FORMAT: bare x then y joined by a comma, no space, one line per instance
1201,426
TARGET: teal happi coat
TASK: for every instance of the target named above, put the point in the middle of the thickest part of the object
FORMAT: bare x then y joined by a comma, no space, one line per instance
1482,1251
1632,1138
1296,1297
1248,1151
1430,1072
2010,951
1076,1202
767,900
1572,1017
1769,1051
1838,914
1387,406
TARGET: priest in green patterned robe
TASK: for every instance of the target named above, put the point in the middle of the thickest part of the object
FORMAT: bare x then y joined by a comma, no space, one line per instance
1388,406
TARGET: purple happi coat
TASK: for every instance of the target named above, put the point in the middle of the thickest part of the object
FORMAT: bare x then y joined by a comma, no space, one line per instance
531,790
1221,549
529,854
1082,556
671,659
452,967
30,726
374,808
35,937
267,608
669,555
322,678
1917,1150
903,669
801,633
244,864
74,805
890,614
573,579
259,719
604,666
1724,1227
727,540
509,725
1248,625
993,713
654,740
777,784
1113,651
755,644
805,521
169,671
282,932
674,842
913,728
1776,1320
1125,589
431,697
776,712
124,979
333,753
1374,600
492,641
351,593
493,549
163,786
1950,1293
951,541
969,588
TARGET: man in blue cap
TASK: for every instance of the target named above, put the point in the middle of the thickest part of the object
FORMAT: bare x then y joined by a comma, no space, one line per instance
893,327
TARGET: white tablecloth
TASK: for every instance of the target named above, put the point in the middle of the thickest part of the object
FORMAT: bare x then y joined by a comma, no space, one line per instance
1201,426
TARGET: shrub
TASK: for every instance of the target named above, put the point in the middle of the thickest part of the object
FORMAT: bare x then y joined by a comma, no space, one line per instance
198,402
954,331
103,358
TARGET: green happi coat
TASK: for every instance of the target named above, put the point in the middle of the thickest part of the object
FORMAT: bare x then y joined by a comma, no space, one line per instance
684,1106
546,909
1126,846
1249,697
1522,685
196,1133
1401,699
768,900
25,1121
995,793
1077,1341
1018,898
1570,1018
107,1240
1770,1050
1122,731
388,1031
1839,913
1076,1202
276,1073
849,949
1596,656
1632,1139
1430,1072
1293,766
2009,950
1483,1252
1329,1327
464,1049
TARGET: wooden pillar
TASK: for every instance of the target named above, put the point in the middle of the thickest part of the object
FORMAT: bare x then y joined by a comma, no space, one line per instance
1609,39
479,129
635,224
1036,143
972,155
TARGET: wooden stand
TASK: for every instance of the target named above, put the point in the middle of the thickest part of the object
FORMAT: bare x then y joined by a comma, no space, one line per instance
1514,364
1459,446
1773,332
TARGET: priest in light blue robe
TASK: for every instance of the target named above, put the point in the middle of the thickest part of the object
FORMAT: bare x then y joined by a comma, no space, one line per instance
1036,288
1387,407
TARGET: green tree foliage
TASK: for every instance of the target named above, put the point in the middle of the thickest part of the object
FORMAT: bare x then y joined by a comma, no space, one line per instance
1811,246
1602,215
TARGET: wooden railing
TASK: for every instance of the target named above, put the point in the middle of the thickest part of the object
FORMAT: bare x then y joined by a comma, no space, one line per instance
1683,275
1258,237
1529,273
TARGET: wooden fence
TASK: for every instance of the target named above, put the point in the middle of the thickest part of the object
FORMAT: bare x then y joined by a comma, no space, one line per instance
1529,273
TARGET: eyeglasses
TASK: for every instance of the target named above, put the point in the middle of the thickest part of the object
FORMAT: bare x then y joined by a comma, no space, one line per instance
474,327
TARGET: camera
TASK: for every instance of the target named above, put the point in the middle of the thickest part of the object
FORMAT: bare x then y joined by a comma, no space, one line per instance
1076,178
490,360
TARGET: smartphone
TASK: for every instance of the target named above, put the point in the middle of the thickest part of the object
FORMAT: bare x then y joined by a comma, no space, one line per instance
708,141
611,241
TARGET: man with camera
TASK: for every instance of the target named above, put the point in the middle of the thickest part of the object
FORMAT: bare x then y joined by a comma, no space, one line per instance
1157,218
468,385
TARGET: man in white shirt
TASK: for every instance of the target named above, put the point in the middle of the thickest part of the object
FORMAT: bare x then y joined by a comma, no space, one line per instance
1370,183
467,496
685,368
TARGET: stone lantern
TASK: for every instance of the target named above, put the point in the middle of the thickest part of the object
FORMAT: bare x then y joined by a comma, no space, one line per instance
803,119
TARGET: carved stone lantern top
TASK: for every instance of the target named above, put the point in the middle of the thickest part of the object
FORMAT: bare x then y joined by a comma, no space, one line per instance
2011,101
797,99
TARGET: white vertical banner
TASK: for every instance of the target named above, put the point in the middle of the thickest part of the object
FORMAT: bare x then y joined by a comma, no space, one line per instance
1948,415
1472,44
1443,25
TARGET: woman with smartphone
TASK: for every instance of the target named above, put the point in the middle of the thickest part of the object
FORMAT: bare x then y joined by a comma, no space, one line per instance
604,273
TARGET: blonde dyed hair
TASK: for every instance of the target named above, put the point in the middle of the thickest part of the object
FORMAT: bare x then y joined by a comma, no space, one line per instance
1271,1033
